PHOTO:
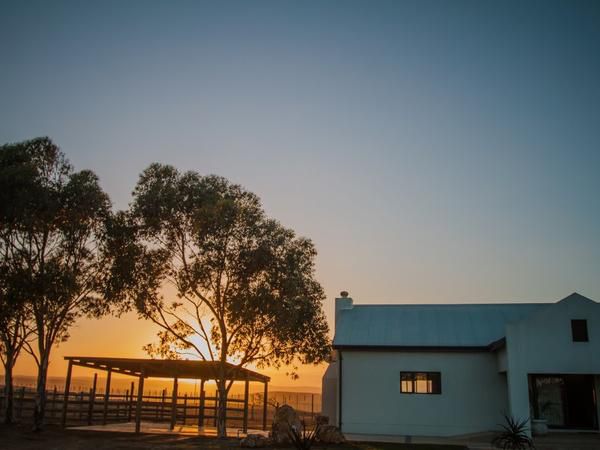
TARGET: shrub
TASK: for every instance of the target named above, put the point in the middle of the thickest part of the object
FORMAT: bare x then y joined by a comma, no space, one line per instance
303,438
513,435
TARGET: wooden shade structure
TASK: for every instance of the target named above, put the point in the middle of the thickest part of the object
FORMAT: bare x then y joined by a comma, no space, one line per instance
164,368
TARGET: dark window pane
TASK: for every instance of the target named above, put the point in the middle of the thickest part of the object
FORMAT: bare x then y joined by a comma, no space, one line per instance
579,330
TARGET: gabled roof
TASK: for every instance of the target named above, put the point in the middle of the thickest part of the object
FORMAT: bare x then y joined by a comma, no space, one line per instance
458,325
445,327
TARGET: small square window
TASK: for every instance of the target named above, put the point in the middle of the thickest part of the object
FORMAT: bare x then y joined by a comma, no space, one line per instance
579,330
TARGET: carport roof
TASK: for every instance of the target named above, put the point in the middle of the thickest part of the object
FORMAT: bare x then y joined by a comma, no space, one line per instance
166,368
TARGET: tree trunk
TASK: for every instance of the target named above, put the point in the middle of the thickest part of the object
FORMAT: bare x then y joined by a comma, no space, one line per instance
40,396
222,408
8,389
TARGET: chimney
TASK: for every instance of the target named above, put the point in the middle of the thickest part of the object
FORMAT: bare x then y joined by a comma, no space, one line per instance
343,302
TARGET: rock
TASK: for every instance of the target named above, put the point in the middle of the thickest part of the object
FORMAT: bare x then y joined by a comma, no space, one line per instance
329,434
254,441
285,416
322,420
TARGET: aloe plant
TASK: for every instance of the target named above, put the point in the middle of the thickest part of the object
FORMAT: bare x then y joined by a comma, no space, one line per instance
302,438
513,435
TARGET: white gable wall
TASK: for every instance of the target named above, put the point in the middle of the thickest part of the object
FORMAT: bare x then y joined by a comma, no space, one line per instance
543,343
473,398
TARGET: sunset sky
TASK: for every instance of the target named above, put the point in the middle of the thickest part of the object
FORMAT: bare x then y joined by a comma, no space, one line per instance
434,151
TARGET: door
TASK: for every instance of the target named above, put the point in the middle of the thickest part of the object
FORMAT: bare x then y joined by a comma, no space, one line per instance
565,401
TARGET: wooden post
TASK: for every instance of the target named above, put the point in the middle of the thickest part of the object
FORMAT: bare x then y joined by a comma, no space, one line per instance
66,394
138,406
80,408
162,403
129,401
201,406
106,396
246,394
184,408
174,405
53,412
21,401
92,399
266,393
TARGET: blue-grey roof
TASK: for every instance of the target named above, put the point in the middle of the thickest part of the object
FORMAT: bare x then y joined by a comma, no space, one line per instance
458,325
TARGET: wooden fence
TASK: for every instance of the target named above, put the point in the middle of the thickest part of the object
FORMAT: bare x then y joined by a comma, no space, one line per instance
93,408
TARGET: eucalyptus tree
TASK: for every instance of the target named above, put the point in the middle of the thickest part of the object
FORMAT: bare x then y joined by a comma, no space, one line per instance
221,280
59,246
14,328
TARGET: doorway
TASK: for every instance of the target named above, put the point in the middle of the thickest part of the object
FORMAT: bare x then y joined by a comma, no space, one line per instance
565,401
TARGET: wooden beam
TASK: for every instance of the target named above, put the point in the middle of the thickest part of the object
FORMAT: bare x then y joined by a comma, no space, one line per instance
66,394
174,404
106,396
266,393
246,395
138,406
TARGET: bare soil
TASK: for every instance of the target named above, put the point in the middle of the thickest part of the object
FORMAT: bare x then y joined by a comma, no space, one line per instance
55,438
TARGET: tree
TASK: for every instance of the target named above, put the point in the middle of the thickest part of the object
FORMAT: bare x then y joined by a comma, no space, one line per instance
243,287
14,330
60,239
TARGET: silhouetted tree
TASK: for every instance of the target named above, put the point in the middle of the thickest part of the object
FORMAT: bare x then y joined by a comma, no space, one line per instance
14,322
60,220
14,328
243,286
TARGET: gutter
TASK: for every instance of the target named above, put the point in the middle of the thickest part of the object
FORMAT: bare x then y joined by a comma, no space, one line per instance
496,345
340,390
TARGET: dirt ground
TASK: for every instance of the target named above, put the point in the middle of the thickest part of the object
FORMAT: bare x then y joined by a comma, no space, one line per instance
55,438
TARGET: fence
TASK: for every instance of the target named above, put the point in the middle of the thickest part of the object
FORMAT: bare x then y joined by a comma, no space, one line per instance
88,407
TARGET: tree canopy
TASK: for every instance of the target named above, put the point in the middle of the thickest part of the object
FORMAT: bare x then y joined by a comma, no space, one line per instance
223,281
54,223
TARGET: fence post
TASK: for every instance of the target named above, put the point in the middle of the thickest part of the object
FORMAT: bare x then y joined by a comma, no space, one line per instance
92,399
106,395
246,393
140,399
21,401
130,402
66,394
53,410
184,408
266,393
201,406
80,405
174,405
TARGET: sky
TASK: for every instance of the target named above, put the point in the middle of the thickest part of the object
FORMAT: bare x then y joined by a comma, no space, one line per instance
434,151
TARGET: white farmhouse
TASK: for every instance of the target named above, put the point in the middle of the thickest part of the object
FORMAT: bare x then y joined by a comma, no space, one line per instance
446,370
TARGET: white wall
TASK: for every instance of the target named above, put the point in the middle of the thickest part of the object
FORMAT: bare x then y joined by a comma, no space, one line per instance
543,344
329,393
473,398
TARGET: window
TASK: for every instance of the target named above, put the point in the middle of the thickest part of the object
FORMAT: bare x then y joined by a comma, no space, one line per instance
420,382
579,330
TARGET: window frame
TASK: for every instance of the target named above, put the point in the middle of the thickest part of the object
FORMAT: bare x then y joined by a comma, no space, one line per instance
579,330
411,376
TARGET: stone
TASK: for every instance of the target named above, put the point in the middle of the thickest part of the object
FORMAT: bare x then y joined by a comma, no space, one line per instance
322,420
285,416
254,441
330,434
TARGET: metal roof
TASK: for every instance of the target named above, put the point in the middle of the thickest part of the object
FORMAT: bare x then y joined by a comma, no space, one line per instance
457,325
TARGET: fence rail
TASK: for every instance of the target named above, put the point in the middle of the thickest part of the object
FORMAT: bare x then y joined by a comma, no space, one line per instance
87,407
